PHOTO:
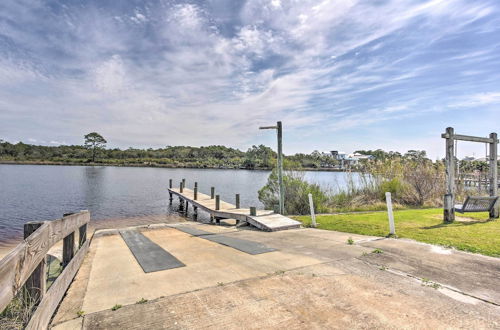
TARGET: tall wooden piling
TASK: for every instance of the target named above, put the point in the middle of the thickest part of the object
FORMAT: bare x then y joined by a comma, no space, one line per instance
170,183
494,213
195,193
217,202
181,187
212,192
449,198
253,211
237,201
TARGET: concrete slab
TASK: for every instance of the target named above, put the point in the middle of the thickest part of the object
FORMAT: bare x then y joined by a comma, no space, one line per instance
149,255
116,278
472,273
299,301
315,280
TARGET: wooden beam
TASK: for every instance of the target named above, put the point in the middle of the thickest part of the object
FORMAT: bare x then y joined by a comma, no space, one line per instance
17,266
68,248
494,212
449,197
43,314
36,283
469,138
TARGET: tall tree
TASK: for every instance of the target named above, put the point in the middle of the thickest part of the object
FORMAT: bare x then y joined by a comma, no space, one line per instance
94,142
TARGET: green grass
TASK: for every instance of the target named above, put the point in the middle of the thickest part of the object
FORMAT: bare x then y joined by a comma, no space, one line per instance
478,234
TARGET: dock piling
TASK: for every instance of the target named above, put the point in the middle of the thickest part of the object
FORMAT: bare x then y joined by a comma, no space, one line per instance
195,193
212,192
170,183
217,202
237,201
181,187
253,210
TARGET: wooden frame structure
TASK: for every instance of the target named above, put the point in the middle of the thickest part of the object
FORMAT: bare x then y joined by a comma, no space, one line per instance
449,197
24,266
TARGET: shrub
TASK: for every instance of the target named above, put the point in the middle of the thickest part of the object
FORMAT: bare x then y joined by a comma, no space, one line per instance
296,193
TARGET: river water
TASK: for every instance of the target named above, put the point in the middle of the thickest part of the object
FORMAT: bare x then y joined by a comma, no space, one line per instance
41,192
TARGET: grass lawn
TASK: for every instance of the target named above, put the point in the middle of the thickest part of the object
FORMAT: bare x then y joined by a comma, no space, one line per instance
472,232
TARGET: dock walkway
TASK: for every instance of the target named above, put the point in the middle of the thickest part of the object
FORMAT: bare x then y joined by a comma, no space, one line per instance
264,219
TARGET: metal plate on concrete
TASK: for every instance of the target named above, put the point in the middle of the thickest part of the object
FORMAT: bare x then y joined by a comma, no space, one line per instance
148,254
243,245
193,231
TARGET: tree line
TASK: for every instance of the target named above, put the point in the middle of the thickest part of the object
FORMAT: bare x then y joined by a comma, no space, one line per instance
94,151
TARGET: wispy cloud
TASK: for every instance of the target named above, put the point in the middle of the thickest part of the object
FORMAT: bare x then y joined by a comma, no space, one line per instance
174,72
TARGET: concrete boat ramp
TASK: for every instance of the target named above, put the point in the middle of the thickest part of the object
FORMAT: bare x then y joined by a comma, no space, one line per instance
262,219
233,278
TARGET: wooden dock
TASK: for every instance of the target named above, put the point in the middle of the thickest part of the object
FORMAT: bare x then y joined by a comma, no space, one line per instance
262,219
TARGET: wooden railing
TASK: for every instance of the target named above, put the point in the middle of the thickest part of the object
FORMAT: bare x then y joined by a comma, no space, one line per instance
24,266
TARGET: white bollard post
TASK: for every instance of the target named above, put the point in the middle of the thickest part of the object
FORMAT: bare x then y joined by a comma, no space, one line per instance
392,229
313,216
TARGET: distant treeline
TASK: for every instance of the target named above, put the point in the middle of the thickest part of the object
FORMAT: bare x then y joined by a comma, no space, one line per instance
256,157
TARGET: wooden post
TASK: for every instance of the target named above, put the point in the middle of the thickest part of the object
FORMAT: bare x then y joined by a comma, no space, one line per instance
170,183
181,203
195,193
68,248
280,167
35,285
196,184
253,211
237,201
195,212
388,199
311,206
494,213
449,198
171,197
181,187
82,235
183,182
217,202
212,192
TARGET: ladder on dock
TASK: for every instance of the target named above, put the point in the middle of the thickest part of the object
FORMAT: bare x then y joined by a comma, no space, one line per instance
265,220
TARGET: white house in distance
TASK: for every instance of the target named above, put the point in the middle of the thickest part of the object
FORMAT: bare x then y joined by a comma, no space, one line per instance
347,160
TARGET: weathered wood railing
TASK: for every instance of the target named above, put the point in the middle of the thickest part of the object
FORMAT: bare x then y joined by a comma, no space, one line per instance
25,265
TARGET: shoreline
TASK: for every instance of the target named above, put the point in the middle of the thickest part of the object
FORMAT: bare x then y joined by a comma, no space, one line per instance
156,165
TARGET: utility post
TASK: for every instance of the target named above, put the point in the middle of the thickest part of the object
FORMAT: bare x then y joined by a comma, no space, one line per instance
279,131
494,213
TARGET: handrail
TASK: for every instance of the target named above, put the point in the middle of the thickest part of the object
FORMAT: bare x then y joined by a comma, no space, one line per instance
27,259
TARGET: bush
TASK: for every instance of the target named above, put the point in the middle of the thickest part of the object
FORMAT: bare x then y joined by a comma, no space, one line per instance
296,194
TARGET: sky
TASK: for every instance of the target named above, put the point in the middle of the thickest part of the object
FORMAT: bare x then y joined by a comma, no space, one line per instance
341,75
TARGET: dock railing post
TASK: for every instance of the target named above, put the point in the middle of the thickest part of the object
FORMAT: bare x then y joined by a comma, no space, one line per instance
253,211
388,199
237,201
36,283
217,202
212,192
311,206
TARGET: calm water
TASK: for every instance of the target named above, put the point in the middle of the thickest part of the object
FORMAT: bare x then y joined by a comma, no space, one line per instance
31,192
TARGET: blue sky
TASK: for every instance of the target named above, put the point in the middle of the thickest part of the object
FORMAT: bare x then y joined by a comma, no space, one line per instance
341,75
